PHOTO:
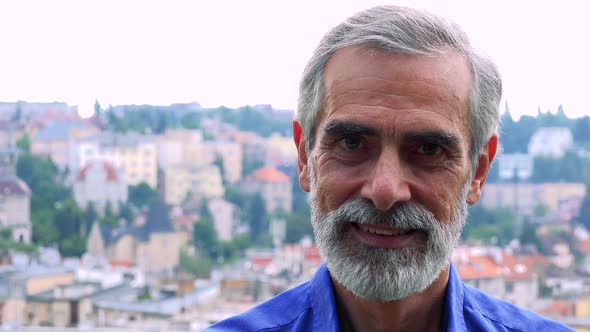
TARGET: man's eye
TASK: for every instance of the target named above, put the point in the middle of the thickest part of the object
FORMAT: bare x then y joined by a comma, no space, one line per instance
351,142
429,149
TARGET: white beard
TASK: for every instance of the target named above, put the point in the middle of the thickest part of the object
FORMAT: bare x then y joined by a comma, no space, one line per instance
382,274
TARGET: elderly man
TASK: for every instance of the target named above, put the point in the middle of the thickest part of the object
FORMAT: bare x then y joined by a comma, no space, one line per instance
396,130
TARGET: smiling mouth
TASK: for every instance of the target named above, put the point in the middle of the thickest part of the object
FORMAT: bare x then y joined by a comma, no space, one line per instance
382,229
383,236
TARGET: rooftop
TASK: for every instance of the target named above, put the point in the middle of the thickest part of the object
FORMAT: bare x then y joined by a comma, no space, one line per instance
13,186
111,173
268,174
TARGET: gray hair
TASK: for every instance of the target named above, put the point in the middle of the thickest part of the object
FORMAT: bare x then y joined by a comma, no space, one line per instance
410,31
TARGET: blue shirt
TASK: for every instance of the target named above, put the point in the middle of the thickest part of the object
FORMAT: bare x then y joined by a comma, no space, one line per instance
312,307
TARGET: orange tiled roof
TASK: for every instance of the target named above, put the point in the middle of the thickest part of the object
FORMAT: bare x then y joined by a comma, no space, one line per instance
478,267
122,263
109,168
508,266
269,174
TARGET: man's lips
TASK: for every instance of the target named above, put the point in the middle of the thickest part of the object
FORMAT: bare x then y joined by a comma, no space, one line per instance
383,236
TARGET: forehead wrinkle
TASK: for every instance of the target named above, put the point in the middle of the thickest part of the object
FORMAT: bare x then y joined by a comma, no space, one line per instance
432,90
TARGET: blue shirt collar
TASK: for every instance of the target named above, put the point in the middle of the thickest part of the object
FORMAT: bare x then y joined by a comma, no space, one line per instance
453,318
323,302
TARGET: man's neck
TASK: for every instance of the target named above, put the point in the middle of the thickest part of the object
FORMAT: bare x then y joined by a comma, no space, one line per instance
419,312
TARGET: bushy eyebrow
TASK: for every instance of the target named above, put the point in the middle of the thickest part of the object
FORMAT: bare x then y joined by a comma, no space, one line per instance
341,128
435,137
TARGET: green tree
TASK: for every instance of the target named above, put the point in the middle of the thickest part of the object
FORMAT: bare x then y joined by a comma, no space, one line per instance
298,226
68,218
490,225
257,218
126,212
191,120
205,237
97,109
90,217
162,123
18,112
528,235
48,198
196,265
24,143
44,232
73,246
581,130
142,195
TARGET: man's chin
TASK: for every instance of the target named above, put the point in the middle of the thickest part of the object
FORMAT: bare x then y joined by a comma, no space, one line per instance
379,274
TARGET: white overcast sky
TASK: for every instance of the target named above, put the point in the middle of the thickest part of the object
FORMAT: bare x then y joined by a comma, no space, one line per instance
235,53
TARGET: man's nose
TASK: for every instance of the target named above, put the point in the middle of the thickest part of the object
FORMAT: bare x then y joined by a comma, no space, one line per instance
387,182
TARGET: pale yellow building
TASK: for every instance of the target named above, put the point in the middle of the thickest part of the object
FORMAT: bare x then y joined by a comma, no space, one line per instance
139,163
178,146
198,180
66,305
231,155
134,154
20,284
524,197
280,150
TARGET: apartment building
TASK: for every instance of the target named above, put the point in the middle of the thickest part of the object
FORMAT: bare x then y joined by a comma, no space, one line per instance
231,155
134,154
524,197
57,141
273,185
183,181
101,183
15,198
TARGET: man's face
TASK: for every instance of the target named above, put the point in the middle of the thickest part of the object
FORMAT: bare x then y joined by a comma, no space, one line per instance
389,175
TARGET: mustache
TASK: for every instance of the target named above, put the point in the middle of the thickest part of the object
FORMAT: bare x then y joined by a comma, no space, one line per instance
405,215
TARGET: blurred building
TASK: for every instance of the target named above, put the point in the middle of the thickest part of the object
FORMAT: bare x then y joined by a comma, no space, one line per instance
253,145
225,218
274,187
524,197
179,146
515,166
15,198
58,140
230,154
280,150
551,142
152,244
184,182
101,183
17,284
134,154
501,273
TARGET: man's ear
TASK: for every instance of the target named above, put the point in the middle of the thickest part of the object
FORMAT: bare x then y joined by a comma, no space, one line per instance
483,167
302,166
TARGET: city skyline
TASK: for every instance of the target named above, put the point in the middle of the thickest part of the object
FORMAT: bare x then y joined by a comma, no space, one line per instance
234,54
